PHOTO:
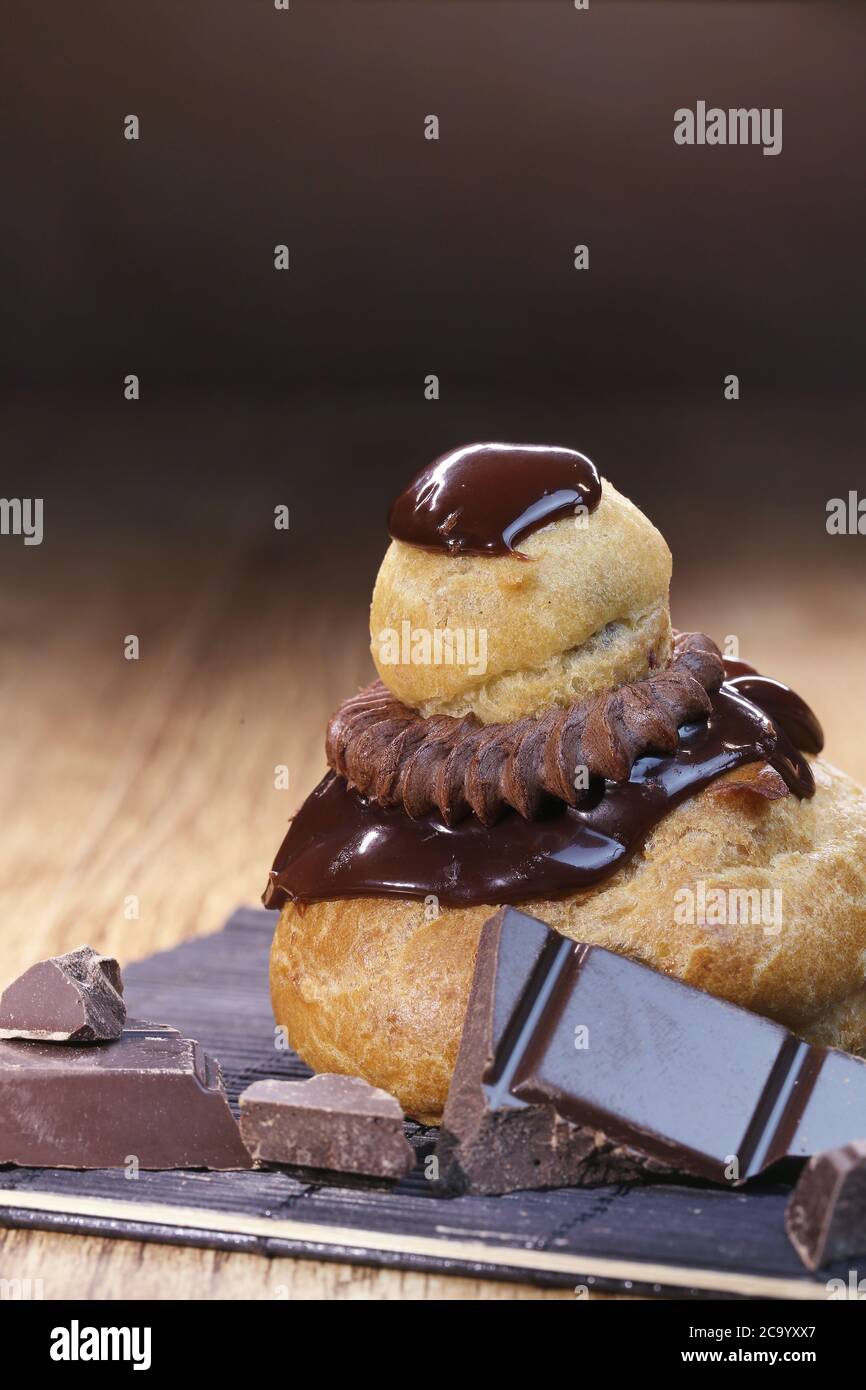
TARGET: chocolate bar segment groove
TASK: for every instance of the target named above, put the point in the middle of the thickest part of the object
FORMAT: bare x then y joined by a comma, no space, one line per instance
490,1140
692,1080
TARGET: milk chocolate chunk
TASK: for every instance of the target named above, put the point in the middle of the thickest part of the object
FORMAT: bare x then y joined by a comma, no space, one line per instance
333,1122
152,1095
73,998
710,1088
826,1215
490,1141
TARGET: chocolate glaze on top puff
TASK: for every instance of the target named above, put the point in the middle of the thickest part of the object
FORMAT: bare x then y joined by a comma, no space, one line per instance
482,498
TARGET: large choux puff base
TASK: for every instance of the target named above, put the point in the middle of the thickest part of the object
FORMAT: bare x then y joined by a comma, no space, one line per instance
370,987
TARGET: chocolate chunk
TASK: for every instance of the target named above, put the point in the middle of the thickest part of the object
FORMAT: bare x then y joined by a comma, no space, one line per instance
490,1141
334,1122
709,1088
152,1095
73,998
826,1215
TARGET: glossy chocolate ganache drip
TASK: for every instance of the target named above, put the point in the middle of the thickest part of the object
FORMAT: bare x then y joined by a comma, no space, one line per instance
342,844
481,499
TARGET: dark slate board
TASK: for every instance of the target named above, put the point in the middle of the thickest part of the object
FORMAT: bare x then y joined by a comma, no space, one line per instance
683,1241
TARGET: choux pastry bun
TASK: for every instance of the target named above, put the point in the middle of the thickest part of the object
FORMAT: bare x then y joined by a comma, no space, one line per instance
619,781
586,610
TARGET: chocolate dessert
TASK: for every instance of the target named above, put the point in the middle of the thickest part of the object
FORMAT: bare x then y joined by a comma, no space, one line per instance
540,735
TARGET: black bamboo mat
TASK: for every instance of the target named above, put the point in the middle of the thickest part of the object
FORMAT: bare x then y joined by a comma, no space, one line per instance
675,1240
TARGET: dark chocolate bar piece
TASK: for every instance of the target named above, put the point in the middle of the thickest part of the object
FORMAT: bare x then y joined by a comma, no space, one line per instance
153,1096
73,998
826,1215
331,1122
709,1088
491,1142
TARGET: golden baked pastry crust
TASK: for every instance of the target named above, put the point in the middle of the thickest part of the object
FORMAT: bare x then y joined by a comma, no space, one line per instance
368,986
583,613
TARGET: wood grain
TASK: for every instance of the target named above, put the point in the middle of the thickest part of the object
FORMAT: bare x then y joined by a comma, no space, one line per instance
82,1267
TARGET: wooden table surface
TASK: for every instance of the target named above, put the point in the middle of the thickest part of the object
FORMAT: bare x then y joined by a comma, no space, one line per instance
151,783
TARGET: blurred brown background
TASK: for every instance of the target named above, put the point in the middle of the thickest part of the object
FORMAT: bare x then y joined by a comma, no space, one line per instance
155,778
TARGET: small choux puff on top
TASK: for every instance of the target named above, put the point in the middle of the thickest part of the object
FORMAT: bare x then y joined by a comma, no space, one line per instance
586,610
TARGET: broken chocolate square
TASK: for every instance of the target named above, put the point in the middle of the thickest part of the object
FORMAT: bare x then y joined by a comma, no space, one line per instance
826,1215
73,998
490,1141
328,1122
152,1097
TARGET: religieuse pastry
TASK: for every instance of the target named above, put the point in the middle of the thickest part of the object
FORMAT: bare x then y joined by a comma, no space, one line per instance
539,735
